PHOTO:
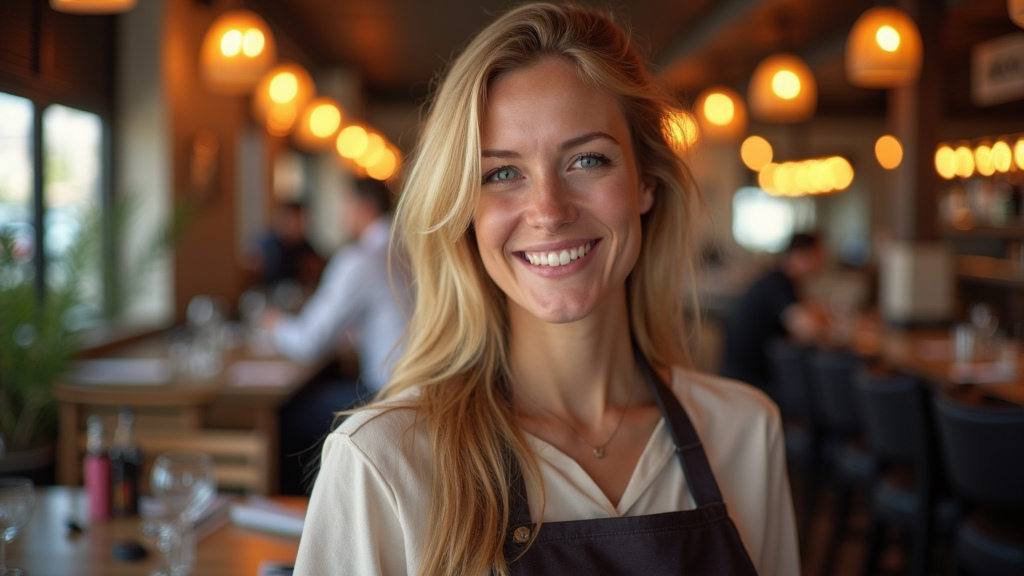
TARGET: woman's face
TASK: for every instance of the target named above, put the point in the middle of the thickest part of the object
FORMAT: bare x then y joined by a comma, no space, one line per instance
558,219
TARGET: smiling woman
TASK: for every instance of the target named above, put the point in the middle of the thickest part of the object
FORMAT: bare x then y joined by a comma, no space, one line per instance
533,421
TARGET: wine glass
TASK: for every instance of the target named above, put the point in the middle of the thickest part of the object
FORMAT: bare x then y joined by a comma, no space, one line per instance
184,483
17,497
985,323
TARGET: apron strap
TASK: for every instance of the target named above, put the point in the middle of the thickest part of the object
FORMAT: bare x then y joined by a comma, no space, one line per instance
691,454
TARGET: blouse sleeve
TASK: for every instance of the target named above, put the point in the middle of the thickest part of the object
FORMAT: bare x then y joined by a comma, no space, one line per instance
352,524
780,554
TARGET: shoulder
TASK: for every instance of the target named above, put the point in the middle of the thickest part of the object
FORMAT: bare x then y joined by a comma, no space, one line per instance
721,404
388,436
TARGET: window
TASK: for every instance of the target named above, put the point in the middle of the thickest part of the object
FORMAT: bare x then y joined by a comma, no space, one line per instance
16,115
72,191
764,223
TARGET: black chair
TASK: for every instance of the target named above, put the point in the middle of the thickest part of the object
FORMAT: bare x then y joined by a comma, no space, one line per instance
983,449
836,408
792,384
898,431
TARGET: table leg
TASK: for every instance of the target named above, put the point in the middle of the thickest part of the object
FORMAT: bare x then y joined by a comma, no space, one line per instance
267,423
68,461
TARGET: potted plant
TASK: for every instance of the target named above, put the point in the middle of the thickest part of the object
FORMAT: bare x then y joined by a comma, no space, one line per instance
38,341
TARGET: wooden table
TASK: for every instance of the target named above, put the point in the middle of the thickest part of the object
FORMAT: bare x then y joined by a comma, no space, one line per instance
224,401
45,548
928,354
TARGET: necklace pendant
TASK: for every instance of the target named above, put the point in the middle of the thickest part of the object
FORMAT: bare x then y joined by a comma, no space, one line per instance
599,452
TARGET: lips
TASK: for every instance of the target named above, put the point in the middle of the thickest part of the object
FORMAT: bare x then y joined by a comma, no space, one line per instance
557,258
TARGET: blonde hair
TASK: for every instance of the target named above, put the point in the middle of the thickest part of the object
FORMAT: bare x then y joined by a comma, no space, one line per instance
456,350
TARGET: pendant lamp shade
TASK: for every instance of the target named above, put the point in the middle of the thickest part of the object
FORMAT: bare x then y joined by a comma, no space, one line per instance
782,90
722,114
318,124
237,50
92,6
281,96
883,49
1016,8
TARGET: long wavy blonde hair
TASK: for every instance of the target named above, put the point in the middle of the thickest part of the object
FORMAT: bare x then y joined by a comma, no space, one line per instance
456,350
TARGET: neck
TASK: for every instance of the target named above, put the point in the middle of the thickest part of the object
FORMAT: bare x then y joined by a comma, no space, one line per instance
577,369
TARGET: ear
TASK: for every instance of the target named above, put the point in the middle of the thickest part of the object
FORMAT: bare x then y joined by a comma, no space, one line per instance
646,200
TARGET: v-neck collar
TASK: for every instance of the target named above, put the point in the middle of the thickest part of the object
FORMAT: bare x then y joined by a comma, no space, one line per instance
657,453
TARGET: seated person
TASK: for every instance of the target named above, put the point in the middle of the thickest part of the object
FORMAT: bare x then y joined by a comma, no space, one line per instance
355,298
283,253
771,309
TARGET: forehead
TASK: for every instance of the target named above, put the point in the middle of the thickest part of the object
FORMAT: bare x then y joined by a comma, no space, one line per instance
547,100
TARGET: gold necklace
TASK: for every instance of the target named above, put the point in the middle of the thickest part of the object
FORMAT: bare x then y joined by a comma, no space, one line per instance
599,449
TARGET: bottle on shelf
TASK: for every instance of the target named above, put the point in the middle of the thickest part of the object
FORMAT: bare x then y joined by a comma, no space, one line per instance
96,470
125,466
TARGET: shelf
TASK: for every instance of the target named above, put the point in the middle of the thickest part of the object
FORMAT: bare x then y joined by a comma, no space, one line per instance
994,271
1009,232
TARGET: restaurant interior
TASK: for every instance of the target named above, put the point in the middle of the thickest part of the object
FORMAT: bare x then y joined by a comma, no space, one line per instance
149,147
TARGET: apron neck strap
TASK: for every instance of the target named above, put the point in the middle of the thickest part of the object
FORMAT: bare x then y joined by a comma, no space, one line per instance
691,454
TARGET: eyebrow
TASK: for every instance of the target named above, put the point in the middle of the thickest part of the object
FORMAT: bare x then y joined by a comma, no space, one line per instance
570,143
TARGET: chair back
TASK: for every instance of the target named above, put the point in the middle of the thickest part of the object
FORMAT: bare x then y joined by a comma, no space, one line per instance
894,416
789,370
983,449
835,403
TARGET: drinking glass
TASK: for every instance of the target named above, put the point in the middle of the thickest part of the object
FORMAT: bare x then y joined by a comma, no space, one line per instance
185,485
17,497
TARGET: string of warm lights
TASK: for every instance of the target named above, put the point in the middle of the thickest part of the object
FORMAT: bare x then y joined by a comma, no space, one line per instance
982,157
239,56
806,177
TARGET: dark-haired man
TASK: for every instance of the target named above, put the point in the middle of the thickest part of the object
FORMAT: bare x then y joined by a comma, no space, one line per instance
355,298
771,309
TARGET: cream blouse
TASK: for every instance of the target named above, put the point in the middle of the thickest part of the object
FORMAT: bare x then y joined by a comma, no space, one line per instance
368,511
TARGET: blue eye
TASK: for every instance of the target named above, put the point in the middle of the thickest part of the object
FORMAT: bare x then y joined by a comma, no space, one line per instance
590,161
503,174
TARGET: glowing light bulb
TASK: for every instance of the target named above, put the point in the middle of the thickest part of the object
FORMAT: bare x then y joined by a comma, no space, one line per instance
842,172
385,167
756,153
964,162
983,160
253,42
945,162
888,38
375,147
719,109
1018,154
1002,157
324,120
786,84
889,152
284,87
766,179
351,141
231,43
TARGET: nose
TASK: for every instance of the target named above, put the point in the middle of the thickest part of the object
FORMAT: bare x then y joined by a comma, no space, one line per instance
550,206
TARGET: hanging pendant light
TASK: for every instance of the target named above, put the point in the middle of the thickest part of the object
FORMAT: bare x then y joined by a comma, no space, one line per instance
280,96
883,49
237,50
1016,9
782,90
722,114
318,124
92,6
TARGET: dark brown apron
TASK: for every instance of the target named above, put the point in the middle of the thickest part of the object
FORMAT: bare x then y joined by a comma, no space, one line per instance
702,541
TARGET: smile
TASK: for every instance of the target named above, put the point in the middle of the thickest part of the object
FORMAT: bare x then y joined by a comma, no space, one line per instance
561,258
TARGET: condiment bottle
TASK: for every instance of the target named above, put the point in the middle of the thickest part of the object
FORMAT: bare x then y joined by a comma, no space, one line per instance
125,466
96,470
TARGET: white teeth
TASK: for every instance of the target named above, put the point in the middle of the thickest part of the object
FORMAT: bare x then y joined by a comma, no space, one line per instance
558,258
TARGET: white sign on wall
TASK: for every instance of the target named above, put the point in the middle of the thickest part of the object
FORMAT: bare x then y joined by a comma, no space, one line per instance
997,70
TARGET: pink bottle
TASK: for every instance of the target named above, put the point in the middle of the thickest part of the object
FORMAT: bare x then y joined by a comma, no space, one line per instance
97,470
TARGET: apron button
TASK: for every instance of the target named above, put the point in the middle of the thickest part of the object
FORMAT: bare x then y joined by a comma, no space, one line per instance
521,535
